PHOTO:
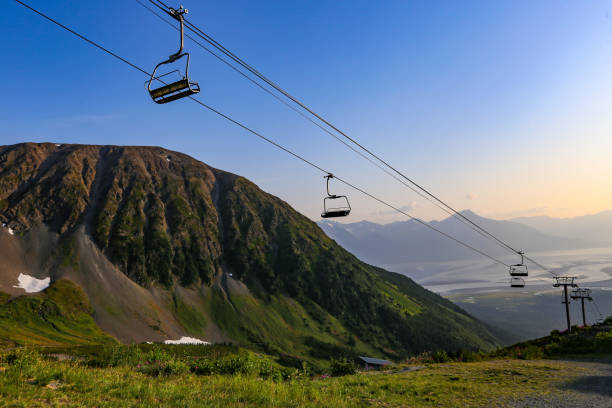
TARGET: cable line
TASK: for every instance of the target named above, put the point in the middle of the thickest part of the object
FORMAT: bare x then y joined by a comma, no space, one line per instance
282,100
302,114
601,316
279,146
426,194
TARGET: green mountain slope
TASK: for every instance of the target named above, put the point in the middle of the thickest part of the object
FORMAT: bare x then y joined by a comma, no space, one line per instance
164,246
60,315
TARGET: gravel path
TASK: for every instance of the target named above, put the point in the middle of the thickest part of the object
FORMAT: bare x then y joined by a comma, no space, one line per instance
590,388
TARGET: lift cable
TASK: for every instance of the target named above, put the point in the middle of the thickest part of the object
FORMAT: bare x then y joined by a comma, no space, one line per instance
284,102
267,139
450,210
596,316
601,316
308,118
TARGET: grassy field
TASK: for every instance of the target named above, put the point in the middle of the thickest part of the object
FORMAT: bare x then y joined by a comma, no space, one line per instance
157,376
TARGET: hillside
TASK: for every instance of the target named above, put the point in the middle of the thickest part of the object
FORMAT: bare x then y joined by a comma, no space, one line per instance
164,246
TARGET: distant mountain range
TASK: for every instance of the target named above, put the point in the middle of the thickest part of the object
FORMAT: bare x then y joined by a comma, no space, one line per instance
594,227
409,241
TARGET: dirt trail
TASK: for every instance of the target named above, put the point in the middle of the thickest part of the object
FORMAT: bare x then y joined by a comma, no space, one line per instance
591,387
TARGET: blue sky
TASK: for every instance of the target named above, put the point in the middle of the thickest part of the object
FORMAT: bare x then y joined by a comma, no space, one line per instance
501,107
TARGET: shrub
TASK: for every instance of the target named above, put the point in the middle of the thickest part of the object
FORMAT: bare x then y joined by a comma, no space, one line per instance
532,353
469,355
163,368
422,358
23,362
156,362
117,355
603,341
440,357
245,364
342,367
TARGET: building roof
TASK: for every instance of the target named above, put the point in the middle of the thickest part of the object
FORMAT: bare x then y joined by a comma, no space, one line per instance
375,361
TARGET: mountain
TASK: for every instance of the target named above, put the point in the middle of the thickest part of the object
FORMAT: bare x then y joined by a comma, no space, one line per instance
163,246
594,227
410,241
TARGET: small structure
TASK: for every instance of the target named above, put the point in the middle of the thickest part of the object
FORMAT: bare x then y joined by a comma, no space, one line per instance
370,362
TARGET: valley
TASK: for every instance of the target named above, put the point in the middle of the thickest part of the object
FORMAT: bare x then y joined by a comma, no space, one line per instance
482,287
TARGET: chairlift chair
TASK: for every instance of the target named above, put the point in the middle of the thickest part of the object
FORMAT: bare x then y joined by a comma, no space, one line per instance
335,205
183,87
519,269
517,283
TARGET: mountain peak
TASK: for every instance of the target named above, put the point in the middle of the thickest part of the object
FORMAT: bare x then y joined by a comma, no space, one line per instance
164,246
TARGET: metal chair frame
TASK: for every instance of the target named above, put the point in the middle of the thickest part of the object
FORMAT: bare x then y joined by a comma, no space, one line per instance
519,269
332,212
183,87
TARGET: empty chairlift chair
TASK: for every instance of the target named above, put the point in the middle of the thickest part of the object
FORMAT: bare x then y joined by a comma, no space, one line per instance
516,271
181,88
335,205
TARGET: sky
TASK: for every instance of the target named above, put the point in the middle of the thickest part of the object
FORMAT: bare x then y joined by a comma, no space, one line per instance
499,107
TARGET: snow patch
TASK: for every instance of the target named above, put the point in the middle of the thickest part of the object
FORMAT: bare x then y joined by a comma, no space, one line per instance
10,230
186,340
32,285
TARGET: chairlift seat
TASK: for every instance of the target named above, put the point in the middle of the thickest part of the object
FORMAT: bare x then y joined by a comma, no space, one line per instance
518,270
517,283
335,213
176,90
341,210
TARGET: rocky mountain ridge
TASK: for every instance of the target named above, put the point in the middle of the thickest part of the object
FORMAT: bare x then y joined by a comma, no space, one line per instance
164,246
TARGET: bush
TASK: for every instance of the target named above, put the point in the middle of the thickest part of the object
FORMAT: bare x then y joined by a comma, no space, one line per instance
23,358
603,341
342,367
245,364
157,362
469,356
23,362
423,358
531,353
116,355
163,368
440,357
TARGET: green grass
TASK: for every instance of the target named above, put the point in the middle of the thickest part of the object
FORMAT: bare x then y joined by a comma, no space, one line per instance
61,315
581,342
229,376
282,326
28,380
192,320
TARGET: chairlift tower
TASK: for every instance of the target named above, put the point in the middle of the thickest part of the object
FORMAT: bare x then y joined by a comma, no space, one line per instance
582,294
565,281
